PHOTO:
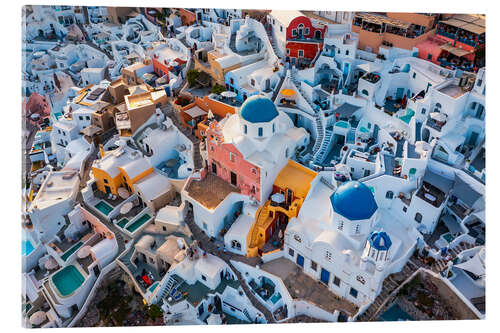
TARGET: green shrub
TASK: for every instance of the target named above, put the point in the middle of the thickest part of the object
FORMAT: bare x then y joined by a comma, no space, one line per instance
217,89
192,75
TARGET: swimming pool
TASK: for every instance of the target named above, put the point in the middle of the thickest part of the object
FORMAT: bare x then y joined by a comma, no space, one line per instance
134,226
407,117
72,250
342,124
363,129
153,287
26,247
448,237
103,207
67,280
123,222
395,313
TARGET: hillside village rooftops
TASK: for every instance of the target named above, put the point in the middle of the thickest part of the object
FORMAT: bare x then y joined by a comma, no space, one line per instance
153,185
58,186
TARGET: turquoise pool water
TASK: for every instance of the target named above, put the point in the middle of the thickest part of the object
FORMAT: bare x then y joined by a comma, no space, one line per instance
448,237
104,208
407,117
68,280
134,226
275,298
342,124
363,129
153,287
26,247
123,222
72,250
395,313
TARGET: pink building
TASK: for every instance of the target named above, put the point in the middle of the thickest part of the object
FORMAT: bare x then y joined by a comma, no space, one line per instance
227,162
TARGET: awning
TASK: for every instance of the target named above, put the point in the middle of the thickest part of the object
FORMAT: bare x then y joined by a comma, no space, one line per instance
195,111
475,265
379,19
451,223
474,28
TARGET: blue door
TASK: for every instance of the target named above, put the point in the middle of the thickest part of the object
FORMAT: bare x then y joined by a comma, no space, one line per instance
325,276
346,71
300,260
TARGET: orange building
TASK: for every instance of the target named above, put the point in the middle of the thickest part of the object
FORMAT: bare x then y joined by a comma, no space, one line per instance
194,116
401,30
291,186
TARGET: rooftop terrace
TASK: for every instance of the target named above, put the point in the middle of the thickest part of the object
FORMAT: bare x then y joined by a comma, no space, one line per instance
210,191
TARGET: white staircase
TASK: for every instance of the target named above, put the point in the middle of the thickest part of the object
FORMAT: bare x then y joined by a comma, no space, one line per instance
324,148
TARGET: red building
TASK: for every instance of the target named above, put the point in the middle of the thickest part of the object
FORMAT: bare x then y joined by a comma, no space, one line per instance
304,39
37,108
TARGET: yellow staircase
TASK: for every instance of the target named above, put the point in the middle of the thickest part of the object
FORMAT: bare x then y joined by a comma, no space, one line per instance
257,239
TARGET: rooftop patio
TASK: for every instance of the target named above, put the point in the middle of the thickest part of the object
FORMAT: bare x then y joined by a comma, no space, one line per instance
301,286
210,191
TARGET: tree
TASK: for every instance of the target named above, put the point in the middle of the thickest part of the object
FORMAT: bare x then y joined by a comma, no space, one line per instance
155,311
192,75
217,89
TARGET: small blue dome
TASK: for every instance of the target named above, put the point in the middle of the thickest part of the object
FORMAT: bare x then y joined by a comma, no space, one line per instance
380,241
258,109
354,201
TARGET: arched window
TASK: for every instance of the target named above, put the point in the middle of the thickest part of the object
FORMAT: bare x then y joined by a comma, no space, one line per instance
286,152
389,195
245,129
341,225
364,92
317,34
274,127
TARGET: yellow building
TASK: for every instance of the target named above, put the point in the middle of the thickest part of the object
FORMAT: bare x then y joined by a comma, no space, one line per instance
121,167
290,189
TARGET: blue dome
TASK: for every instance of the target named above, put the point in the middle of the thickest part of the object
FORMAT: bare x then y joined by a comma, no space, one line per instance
258,109
380,241
354,201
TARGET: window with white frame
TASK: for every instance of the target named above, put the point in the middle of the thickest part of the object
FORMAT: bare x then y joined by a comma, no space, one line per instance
328,255
301,53
341,225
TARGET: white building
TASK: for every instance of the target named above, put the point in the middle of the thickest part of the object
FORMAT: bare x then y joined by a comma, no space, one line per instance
347,242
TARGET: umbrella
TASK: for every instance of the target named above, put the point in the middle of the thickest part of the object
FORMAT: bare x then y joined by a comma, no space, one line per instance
278,198
38,317
288,92
84,252
51,263
228,94
126,207
438,116
123,193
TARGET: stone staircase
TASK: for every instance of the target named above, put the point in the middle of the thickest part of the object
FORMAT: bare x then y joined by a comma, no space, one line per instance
205,244
296,82
245,312
390,283
278,89
441,265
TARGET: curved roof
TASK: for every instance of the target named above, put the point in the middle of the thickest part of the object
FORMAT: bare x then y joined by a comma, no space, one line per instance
258,109
380,241
354,201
